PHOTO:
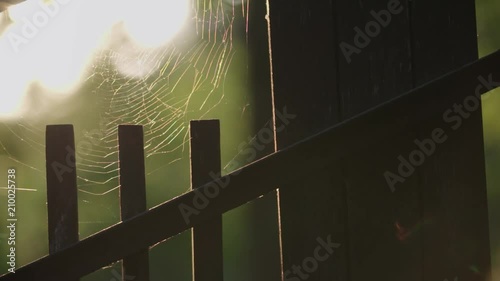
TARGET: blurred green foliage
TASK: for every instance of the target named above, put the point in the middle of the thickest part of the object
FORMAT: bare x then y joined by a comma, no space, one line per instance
488,23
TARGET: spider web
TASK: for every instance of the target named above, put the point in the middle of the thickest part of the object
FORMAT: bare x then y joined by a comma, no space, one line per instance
198,74
160,88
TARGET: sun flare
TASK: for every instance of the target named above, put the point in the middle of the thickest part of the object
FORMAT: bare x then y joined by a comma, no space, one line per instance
154,22
53,42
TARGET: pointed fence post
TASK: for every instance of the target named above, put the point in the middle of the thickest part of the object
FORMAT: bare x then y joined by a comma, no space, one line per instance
133,194
206,237
62,200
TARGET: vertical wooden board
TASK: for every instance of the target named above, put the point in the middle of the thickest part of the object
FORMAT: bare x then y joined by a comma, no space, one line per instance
456,241
380,68
304,80
311,210
304,68
377,72
62,199
132,171
384,215
206,237
444,37
133,193
453,184
262,248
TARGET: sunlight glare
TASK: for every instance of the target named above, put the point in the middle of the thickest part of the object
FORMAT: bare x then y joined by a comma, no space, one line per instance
154,22
53,43
55,57
18,11
12,91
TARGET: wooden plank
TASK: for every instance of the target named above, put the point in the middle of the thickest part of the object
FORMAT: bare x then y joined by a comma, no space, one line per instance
304,67
456,238
260,177
380,219
133,194
62,199
206,237
304,80
311,225
263,257
453,186
443,40
379,69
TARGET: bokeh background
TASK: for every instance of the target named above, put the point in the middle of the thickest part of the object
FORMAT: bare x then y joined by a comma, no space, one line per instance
488,21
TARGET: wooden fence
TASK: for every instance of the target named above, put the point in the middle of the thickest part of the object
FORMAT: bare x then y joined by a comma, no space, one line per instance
70,259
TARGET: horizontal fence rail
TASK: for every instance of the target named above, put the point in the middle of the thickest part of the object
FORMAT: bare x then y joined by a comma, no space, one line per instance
166,220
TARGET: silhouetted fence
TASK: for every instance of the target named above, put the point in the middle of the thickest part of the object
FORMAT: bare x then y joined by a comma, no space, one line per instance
70,259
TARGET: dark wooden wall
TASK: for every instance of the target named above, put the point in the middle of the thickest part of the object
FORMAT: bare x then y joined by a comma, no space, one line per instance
434,225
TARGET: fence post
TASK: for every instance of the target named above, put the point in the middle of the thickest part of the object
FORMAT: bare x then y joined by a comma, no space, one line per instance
133,194
62,201
314,207
206,237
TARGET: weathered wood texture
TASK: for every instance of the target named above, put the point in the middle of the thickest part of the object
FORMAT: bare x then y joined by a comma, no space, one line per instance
379,70
133,194
206,237
62,199
259,178
397,46
453,181
305,87
261,215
